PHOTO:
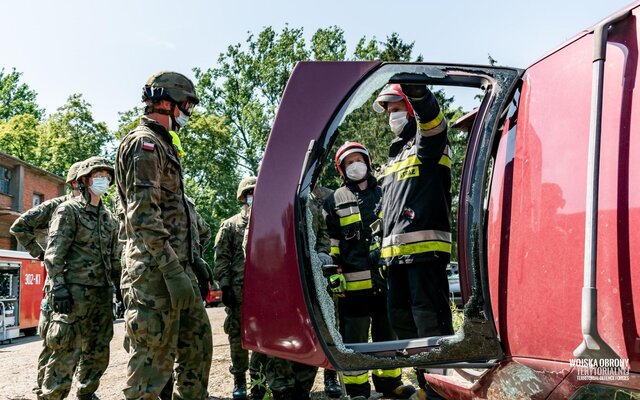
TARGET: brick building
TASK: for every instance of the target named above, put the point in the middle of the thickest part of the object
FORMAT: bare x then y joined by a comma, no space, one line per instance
22,186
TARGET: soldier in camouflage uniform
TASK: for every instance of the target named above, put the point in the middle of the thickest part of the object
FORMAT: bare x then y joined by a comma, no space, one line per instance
229,270
290,380
166,324
83,263
24,229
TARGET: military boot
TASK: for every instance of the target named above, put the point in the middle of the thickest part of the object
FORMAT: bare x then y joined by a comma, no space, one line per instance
90,396
331,384
239,387
258,390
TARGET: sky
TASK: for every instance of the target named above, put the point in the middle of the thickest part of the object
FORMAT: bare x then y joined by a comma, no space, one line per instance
105,50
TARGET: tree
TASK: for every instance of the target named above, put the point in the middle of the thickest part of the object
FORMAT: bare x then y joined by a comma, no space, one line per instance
16,98
70,135
17,137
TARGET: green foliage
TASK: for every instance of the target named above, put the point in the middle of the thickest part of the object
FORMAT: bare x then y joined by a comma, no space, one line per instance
127,121
16,98
69,135
18,137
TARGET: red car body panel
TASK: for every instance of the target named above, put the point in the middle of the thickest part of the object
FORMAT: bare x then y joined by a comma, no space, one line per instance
310,99
537,206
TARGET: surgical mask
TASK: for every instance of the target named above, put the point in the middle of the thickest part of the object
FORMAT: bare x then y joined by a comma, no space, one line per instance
357,171
249,200
397,121
182,119
100,185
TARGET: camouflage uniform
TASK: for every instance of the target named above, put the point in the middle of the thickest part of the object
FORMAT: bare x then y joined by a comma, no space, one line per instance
160,231
24,229
83,255
229,270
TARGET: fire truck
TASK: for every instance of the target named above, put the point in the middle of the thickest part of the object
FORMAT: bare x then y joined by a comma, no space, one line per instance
546,225
21,282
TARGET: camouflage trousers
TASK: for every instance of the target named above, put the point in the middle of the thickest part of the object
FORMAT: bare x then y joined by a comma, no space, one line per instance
240,361
79,340
289,376
163,341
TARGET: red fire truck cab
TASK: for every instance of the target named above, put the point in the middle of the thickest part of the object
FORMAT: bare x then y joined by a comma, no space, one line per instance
546,225
21,281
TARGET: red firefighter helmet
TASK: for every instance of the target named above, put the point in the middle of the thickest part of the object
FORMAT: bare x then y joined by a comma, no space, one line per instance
350,148
391,92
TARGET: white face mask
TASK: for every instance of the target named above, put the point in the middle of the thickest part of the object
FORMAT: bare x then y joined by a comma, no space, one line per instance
356,171
249,200
397,121
182,119
100,185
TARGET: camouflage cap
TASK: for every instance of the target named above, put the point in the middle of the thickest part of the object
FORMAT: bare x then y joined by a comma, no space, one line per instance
169,85
96,163
72,174
248,183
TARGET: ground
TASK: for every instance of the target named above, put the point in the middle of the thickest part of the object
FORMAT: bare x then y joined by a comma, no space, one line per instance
19,359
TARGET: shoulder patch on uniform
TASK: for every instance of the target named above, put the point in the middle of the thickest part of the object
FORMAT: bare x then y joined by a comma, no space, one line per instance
148,146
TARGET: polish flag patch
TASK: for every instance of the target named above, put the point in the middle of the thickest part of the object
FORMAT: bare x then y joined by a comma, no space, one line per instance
148,146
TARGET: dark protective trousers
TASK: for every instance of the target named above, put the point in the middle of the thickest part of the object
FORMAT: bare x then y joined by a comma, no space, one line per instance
418,300
357,315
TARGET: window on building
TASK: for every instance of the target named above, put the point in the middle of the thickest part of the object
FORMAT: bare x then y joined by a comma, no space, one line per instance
37,199
5,180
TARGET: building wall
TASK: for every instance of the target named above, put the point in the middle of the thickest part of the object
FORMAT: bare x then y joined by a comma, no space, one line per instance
37,183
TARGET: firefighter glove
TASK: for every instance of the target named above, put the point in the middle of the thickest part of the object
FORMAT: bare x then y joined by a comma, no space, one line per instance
325,259
179,286
337,283
415,92
378,282
41,256
382,270
204,274
62,300
228,297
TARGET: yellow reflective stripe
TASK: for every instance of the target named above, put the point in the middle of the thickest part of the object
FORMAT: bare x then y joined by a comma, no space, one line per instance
374,246
359,285
415,248
355,379
335,251
351,219
431,125
387,373
406,163
445,160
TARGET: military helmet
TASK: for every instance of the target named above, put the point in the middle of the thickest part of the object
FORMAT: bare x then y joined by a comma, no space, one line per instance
169,85
72,174
96,163
246,184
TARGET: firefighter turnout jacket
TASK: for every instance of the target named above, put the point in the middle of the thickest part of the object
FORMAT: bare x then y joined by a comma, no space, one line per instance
350,212
417,189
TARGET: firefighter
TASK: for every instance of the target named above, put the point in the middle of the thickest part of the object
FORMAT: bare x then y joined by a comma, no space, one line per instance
229,270
350,215
83,263
416,244
24,229
166,323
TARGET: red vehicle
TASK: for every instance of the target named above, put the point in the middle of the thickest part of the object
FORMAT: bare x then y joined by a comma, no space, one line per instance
547,219
21,282
214,297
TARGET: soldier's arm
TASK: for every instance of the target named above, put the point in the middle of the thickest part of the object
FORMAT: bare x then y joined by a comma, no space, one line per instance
204,231
61,235
116,255
223,255
36,218
143,167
